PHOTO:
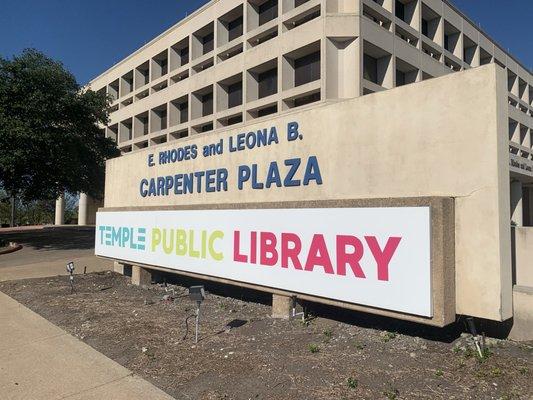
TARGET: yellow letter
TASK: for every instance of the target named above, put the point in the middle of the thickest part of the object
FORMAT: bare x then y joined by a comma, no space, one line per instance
181,242
168,245
204,234
156,238
217,256
192,252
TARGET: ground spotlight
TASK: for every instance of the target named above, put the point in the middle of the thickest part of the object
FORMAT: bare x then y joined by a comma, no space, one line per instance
70,270
197,293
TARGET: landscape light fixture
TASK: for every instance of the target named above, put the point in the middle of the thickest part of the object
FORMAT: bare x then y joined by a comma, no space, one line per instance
480,345
296,309
70,270
197,293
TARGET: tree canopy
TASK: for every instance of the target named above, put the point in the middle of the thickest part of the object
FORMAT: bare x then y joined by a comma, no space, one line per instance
51,139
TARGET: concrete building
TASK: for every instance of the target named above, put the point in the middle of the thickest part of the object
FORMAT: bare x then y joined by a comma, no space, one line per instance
237,66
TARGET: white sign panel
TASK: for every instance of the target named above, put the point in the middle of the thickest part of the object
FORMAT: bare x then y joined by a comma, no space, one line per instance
378,257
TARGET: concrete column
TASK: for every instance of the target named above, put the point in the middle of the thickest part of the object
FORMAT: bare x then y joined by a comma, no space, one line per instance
87,208
140,276
118,268
281,306
60,211
83,209
517,213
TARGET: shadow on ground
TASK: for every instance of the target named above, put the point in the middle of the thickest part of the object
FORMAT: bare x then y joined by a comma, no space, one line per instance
53,238
364,320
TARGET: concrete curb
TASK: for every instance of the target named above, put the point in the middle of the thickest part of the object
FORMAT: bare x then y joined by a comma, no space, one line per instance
70,227
11,248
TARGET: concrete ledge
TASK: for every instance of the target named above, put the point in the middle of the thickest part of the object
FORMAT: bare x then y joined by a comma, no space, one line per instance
522,329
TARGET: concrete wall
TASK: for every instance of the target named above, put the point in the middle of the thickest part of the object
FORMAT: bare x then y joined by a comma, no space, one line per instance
523,256
442,137
344,31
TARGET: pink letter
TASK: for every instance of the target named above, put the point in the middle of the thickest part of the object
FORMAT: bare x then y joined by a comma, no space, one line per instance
268,246
290,253
318,255
384,256
236,248
352,259
253,247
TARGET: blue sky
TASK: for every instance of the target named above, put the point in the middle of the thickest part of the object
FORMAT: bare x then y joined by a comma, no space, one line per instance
89,36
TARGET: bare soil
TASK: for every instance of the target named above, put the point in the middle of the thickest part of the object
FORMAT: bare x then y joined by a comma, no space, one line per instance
245,354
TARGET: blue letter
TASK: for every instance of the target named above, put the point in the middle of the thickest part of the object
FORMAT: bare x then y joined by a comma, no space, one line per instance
312,171
144,192
292,131
294,163
243,175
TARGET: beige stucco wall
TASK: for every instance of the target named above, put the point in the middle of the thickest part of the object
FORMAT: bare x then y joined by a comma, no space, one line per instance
523,239
442,137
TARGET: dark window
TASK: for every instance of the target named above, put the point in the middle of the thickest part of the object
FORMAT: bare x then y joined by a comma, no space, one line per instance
207,128
207,104
307,69
235,95
144,122
447,41
400,10
144,76
267,37
184,112
208,42
302,101
298,3
425,25
268,11
268,83
235,29
163,116
267,111
307,18
164,66
184,55
370,68
400,78
235,120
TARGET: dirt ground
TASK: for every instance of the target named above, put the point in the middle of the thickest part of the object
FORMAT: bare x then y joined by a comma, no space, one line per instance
244,354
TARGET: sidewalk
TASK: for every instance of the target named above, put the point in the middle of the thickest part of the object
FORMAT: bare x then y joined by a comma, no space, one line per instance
38,361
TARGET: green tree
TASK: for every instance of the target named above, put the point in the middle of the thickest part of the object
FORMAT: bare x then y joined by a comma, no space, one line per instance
50,135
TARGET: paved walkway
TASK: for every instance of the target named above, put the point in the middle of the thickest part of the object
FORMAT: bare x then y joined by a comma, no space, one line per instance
38,361
47,251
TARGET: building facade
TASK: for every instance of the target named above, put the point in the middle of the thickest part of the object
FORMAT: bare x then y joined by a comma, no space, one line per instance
241,65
